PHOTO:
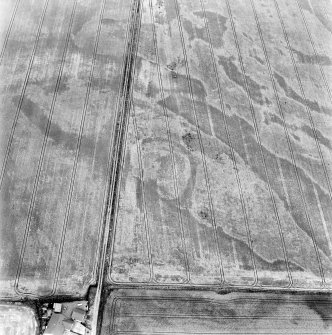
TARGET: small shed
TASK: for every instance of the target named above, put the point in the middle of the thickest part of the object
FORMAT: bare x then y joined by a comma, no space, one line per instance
57,307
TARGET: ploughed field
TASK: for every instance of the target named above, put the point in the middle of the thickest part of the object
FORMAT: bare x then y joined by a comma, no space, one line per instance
226,177
61,70
188,312
226,134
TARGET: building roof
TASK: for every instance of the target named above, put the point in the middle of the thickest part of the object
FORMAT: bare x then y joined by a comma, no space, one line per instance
55,325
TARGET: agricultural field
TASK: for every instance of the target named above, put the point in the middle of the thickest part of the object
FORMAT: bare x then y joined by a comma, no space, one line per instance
226,178
189,312
61,64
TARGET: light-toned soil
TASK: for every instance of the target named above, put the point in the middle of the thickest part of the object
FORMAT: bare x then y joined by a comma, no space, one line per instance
17,319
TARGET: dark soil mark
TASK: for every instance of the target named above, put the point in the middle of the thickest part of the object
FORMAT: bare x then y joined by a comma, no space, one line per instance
320,137
253,54
295,206
312,59
234,74
65,139
181,86
38,118
217,27
243,251
193,31
290,93
48,88
322,306
306,129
